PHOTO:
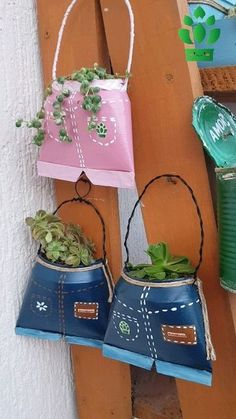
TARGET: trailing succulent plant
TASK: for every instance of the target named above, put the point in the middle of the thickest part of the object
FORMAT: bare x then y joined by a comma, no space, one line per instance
92,103
60,242
163,266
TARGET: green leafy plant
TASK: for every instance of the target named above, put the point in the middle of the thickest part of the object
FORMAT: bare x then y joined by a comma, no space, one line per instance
60,242
92,103
163,266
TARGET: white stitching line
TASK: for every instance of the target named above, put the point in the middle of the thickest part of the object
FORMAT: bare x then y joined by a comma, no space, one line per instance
62,305
124,305
117,313
127,318
68,292
49,114
75,130
147,324
164,310
59,303
71,116
104,102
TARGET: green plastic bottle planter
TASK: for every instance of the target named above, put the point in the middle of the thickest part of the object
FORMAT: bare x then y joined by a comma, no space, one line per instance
216,127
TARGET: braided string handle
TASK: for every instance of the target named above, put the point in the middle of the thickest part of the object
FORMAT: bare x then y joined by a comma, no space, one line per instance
212,3
61,31
167,176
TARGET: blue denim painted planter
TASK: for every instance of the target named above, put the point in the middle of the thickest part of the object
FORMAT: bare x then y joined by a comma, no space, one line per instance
161,323
152,323
67,303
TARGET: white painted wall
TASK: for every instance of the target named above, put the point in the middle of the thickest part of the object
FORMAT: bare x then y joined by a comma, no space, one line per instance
35,376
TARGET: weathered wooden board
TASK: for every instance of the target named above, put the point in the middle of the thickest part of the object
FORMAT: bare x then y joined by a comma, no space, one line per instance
162,91
102,386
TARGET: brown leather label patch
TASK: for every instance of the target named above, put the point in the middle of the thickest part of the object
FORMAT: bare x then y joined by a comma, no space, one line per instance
87,311
184,335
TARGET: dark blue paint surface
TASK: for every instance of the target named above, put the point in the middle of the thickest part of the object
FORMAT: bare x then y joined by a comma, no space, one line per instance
50,298
145,310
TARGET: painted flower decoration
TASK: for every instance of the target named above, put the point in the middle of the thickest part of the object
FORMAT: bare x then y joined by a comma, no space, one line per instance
41,306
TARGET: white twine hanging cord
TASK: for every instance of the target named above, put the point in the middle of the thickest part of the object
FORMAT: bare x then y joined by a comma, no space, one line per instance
61,31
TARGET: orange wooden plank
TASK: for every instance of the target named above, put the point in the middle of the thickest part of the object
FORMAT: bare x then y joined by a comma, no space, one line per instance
102,386
162,91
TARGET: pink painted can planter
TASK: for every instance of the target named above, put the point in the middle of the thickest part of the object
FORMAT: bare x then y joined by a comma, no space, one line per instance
106,159
104,155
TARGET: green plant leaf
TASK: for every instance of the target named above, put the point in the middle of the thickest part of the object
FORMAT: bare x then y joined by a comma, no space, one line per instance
213,36
158,252
164,265
199,12
48,237
159,275
199,33
140,274
181,268
29,221
174,260
188,20
73,260
211,20
184,35
19,123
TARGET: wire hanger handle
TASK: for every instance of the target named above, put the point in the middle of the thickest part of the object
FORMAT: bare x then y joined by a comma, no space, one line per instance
168,176
61,31
81,200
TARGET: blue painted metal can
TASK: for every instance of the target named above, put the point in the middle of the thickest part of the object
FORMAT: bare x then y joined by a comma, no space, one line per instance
161,323
69,303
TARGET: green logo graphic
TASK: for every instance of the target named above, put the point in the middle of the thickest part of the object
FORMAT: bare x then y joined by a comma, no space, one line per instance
199,33
101,130
124,328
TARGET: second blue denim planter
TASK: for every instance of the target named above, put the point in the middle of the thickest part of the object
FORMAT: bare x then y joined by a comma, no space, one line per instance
69,303
162,323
